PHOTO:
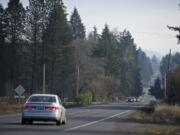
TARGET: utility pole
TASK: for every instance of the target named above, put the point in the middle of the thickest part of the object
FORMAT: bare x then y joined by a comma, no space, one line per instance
166,75
44,79
77,82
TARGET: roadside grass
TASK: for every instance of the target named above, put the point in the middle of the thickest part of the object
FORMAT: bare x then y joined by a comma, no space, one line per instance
157,129
10,108
169,114
142,115
161,120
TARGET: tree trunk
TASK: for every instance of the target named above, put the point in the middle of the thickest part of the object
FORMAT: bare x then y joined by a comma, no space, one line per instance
11,91
77,81
33,79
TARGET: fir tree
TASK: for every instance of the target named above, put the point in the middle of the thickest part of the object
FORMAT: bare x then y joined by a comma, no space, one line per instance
156,90
15,15
78,28
59,52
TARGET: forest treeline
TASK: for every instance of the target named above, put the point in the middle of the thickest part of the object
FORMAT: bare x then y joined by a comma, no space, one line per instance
108,65
170,69
167,86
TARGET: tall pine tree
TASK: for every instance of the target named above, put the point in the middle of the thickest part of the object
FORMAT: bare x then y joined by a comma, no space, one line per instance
78,28
15,14
35,27
2,50
59,53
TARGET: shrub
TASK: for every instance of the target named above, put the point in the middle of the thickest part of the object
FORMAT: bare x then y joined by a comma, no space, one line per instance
105,88
167,114
85,98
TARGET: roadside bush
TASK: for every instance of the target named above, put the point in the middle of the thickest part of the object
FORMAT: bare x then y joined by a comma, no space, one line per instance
105,88
85,98
169,114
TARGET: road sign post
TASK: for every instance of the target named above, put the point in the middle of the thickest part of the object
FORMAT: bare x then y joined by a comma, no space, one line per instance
19,90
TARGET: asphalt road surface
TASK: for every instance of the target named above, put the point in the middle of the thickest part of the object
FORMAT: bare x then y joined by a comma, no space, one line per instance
91,120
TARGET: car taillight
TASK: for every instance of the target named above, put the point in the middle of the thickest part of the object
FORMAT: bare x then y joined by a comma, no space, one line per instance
52,108
27,107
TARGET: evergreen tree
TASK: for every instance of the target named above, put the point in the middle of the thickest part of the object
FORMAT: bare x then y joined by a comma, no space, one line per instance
156,90
34,31
2,50
176,29
78,28
15,15
104,42
95,36
145,67
173,86
107,49
169,61
130,72
59,53
2,25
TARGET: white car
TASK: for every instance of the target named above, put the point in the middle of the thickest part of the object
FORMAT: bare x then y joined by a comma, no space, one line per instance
43,107
131,99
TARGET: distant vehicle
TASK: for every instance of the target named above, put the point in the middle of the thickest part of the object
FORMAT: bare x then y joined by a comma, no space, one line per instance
153,101
43,107
131,99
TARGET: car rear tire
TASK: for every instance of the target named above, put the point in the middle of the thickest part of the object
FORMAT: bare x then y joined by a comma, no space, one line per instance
30,122
23,121
64,120
59,122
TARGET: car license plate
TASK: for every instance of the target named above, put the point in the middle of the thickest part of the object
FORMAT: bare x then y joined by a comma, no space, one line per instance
40,107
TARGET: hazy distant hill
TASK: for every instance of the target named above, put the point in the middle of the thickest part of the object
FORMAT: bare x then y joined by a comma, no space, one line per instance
151,53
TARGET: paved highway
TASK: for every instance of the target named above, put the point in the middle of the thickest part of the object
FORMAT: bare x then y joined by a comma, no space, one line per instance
91,120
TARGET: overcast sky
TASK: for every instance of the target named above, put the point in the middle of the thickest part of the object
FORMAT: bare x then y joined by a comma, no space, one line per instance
147,20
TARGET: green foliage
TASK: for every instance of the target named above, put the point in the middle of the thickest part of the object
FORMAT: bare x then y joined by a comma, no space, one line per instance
105,88
78,28
103,67
59,53
85,97
2,49
169,61
176,29
145,67
119,58
13,21
170,67
156,90
35,14
173,86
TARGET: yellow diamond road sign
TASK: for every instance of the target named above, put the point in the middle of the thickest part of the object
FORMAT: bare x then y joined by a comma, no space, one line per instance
19,90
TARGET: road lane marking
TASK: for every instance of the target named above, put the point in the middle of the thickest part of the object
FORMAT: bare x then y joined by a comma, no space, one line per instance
129,112
94,122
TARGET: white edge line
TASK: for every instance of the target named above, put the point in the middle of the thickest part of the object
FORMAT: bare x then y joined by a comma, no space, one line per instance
94,122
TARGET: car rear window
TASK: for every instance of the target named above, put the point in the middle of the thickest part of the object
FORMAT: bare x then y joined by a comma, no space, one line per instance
50,99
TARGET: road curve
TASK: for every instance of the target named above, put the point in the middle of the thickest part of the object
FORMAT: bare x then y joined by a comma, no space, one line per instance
91,120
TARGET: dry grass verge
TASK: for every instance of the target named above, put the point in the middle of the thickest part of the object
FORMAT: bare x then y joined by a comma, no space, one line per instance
162,120
169,114
10,108
163,113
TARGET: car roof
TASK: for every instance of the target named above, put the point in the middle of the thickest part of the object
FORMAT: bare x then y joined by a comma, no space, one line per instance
44,95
